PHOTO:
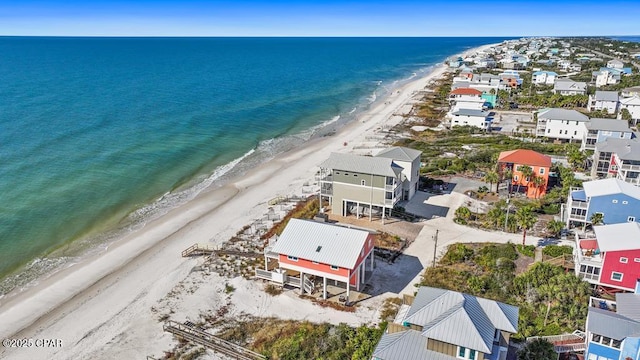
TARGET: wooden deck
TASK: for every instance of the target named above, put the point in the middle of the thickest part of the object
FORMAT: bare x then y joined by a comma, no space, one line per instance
198,336
198,250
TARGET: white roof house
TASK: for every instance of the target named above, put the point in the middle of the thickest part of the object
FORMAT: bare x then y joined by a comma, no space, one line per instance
321,242
615,64
610,186
617,237
632,104
561,124
569,87
451,317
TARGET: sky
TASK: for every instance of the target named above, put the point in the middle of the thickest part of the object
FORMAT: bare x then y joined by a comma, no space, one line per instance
318,18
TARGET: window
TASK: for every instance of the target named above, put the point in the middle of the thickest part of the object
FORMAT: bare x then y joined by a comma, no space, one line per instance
464,353
292,258
631,219
616,276
575,132
560,131
625,202
576,123
614,201
636,260
624,260
565,132
548,131
515,178
362,183
541,171
333,267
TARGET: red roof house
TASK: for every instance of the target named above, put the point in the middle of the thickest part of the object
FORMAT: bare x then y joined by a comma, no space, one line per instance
465,91
515,160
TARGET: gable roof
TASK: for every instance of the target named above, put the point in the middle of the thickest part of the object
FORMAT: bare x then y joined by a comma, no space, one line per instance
569,85
400,153
606,95
525,157
460,319
610,324
617,237
610,186
362,164
562,114
409,344
608,125
321,242
626,149
466,91
628,305
634,100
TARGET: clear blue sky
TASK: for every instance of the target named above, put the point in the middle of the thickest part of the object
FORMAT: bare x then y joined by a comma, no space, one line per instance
318,18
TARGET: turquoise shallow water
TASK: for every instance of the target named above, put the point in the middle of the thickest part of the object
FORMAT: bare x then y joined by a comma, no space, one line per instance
93,130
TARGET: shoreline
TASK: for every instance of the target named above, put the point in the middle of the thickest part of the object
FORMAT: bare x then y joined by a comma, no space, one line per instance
130,277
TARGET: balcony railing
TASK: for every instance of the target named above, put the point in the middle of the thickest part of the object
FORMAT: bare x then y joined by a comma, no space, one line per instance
586,276
577,204
391,187
629,167
577,217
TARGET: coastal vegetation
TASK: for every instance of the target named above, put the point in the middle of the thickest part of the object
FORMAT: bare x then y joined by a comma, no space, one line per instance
550,300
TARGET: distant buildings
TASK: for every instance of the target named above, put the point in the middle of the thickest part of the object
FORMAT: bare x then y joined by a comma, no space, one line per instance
615,64
569,87
443,324
543,77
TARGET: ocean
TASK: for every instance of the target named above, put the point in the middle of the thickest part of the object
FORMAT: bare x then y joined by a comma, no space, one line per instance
100,135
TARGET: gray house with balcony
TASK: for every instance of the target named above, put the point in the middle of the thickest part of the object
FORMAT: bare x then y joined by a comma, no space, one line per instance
598,130
618,158
360,185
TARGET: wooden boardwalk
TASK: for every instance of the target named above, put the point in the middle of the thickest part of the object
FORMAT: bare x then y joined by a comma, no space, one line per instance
200,337
197,250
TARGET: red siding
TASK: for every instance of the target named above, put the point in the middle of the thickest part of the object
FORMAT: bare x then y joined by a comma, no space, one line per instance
326,268
630,270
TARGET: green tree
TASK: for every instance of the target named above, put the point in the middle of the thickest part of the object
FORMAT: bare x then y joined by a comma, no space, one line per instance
626,115
597,219
538,182
538,349
555,227
525,218
507,175
463,214
491,177
526,172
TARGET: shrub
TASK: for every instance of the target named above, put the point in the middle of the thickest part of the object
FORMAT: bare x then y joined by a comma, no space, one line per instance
457,253
526,250
273,290
557,250
228,288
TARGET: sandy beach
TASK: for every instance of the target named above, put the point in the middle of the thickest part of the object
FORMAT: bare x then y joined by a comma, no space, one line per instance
108,305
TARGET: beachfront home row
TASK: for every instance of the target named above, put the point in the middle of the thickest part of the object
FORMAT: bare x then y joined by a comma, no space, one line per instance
445,325
308,250
616,200
613,328
611,258
366,185
516,160
617,158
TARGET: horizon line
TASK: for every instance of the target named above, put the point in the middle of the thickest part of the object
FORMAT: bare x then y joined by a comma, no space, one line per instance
325,36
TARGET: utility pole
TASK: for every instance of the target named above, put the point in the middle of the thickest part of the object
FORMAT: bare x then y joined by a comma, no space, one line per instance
435,248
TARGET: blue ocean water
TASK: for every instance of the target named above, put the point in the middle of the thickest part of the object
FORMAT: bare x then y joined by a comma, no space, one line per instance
98,134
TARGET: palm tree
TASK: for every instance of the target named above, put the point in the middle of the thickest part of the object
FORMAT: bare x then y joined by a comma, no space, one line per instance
526,172
538,182
525,218
555,227
537,349
507,174
463,214
597,219
492,177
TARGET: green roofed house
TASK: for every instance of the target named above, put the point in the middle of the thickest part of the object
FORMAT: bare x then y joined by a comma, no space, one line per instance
366,185
445,325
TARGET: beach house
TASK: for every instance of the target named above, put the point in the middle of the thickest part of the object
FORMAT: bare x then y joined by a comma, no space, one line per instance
612,258
606,101
598,130
307,251
605,76
617,158
543,77
443,324
615,64
617,202
613,328
366,185
515,160
632,105
569,87
471,117
466,98
561,124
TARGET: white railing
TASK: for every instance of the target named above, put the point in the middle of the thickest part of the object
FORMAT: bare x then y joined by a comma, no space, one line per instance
586,276
390,187
630,167
264,274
